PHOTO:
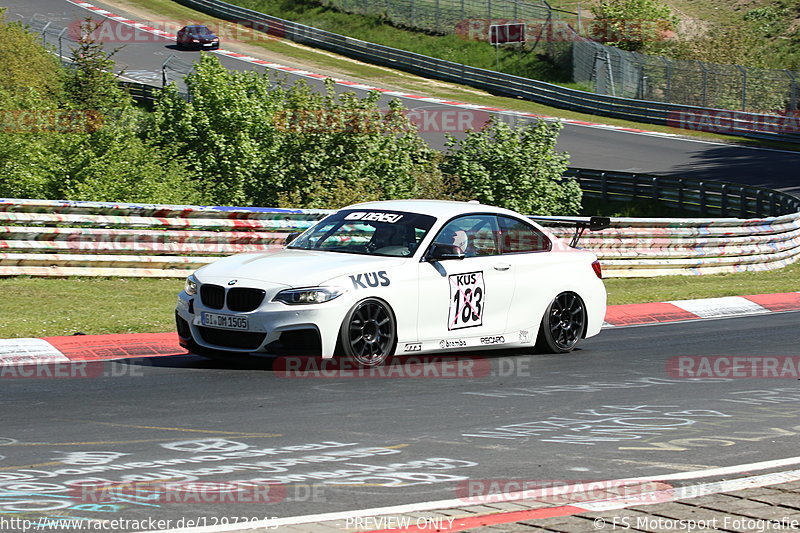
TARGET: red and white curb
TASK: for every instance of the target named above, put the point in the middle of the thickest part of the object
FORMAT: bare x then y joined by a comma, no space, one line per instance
354,85
682,310
664,493
50,350
87,348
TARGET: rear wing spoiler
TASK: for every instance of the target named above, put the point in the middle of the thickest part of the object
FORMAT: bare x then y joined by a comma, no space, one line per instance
581,225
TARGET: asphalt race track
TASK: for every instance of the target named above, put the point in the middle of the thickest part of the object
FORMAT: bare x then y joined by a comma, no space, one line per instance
607,411
589,147
612,409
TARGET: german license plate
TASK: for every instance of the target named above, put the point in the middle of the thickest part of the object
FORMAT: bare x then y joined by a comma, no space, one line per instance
214,320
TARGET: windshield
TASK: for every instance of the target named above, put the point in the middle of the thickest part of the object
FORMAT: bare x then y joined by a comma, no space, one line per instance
368,232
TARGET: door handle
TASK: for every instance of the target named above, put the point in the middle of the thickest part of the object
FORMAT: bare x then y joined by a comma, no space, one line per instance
502,266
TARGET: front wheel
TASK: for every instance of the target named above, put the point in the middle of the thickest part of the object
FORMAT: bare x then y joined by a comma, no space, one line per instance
369,335
563,324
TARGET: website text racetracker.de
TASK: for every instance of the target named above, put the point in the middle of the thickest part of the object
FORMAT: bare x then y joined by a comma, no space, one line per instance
25,525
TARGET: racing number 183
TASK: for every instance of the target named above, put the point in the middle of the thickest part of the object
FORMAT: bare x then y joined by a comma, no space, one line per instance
467,293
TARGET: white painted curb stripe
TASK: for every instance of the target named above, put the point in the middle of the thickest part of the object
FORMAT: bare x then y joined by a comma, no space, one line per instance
768,479
14,352
717,307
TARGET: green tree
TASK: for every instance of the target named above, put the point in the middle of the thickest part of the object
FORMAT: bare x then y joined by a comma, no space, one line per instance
516,168
85,142
115,165
250,141
631,24
91,82
30,77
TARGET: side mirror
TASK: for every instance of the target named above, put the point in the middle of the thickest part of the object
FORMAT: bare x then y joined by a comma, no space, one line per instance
292,236
442,252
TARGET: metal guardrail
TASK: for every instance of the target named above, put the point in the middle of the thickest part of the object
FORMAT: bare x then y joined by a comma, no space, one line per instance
640,247
733,123
62,238
703,197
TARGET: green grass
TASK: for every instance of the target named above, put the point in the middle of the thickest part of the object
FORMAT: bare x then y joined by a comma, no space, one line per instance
641,290
42,307
48,307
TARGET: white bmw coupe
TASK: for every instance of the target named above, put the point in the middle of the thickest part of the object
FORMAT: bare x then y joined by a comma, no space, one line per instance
410,276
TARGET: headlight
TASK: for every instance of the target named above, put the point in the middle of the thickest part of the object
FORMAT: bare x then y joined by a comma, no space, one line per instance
310,295
190,287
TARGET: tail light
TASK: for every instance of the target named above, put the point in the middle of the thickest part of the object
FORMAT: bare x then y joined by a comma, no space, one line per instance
597,269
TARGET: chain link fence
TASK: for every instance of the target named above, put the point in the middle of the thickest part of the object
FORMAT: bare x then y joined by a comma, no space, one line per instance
603,69
611,71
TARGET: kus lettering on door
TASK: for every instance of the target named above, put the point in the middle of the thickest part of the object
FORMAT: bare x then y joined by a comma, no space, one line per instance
370,279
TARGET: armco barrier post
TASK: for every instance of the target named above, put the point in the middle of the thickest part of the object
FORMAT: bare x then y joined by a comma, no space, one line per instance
742,203
759,203
724,200
603,186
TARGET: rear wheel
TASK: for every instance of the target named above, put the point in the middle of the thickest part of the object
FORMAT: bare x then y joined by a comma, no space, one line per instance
563,324
369,335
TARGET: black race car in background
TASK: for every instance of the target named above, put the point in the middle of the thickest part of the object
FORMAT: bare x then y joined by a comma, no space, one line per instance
197,37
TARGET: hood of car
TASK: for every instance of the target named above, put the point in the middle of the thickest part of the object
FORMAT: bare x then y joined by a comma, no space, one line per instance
292,268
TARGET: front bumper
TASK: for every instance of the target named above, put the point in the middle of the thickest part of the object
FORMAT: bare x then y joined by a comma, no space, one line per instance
274,328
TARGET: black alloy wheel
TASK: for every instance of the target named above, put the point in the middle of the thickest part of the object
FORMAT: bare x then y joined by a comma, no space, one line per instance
563,323
368,335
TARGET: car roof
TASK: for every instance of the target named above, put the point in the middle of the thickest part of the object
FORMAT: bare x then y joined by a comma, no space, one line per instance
439,208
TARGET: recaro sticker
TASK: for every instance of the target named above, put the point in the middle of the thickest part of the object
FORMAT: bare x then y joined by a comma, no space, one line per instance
467,300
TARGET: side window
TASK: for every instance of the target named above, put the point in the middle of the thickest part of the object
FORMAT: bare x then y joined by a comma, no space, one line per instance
518,236
476,235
